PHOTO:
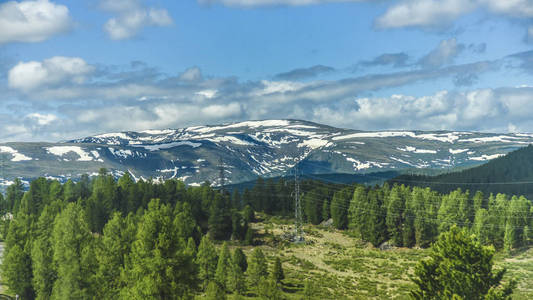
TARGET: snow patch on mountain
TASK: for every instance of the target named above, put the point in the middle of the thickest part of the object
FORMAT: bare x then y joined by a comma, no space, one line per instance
375,134
16,156
415,150
62,150
314,143
486,157
169,145
457,151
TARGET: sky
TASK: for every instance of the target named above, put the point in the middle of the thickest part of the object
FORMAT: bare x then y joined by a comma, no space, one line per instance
70,69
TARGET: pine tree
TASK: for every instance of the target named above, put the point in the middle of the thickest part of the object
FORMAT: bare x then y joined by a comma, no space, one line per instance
249,236
459,266
219,218
206,259
374,230
339,207
394,219
240,259
17,272
223,267
277,271
16,264
160,265
268,289
237,282
357,209
215,292
113,247
257,268
71,238
14,194
481,226
44,271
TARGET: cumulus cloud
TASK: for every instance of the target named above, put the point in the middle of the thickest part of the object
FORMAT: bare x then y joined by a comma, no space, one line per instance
304,73
445,53
254,3
76,99
27,76
425,13
191,74
481,110
441,13
32,21
131,17
42,119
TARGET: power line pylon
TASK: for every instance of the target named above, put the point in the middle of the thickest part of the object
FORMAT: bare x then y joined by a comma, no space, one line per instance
298,219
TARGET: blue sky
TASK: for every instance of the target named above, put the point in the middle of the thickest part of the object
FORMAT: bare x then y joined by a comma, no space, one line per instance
75,68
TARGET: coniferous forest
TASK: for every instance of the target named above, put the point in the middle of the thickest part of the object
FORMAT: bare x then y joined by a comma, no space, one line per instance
101,238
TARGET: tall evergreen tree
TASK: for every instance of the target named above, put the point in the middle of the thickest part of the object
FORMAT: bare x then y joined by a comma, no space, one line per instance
223,267
206,259
394,219
339,207
277,273
160,265
44,271
257,268
459,266
71,241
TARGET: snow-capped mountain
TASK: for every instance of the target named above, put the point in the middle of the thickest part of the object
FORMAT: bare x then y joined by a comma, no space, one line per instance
253,148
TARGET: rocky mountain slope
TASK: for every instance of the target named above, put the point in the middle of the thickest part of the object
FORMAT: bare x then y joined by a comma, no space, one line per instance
250,149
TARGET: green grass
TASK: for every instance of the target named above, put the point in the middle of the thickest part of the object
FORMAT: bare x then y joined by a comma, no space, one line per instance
341,266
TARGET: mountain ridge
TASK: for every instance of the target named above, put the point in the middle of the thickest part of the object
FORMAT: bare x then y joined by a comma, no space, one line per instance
249,149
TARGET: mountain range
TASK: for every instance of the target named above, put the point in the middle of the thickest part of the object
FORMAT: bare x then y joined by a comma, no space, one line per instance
245,150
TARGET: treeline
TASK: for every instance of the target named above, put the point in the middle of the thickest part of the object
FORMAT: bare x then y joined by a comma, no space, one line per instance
410,216
108,239
103,238
510,174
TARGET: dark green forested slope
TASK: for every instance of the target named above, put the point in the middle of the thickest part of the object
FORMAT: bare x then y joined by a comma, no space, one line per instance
510,174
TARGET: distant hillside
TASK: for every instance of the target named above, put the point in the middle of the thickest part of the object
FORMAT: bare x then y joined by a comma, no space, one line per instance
268,148
510,174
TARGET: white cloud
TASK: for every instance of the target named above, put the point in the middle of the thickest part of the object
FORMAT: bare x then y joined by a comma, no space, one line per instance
443,54
32,21
191,74
438,13
515,8
131,17
255,3
430,13
27,76
482,110
530,33
42,119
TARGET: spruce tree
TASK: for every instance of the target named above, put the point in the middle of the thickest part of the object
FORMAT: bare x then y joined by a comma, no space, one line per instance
459,266
394,219
223,267
44,271
215,291
17,272
339,207
357,209
277,271
113,247
240,259
257,268
236,282
71,238
160,267
206,259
